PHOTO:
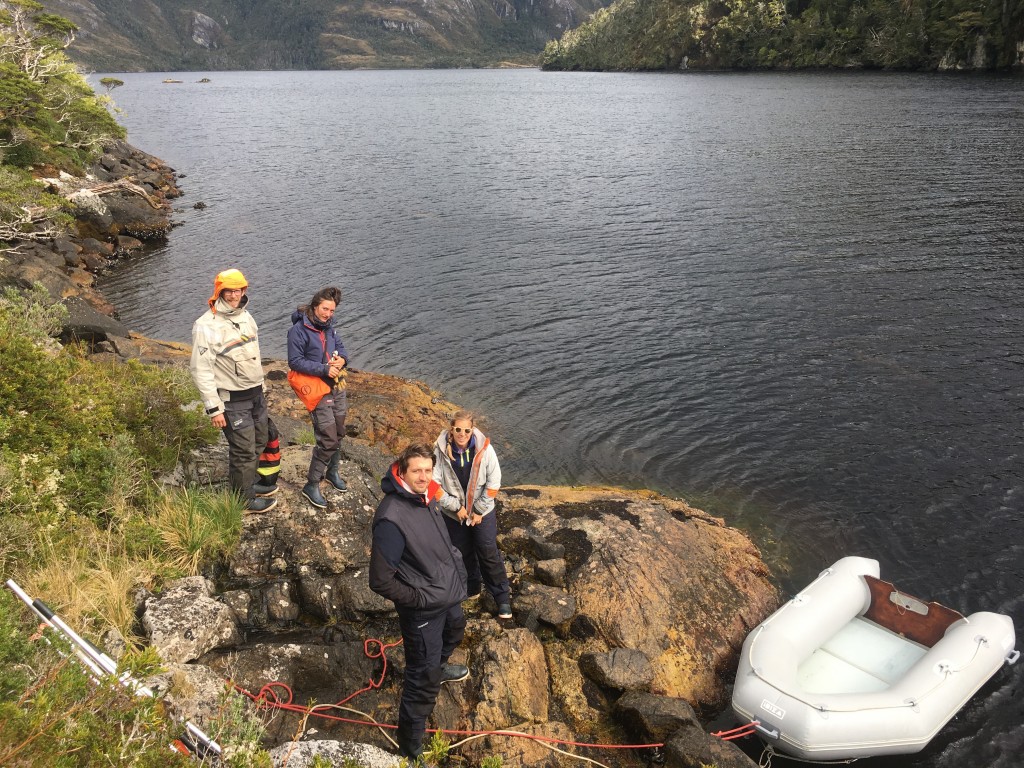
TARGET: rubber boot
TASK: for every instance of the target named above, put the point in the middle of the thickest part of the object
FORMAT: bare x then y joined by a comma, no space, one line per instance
313,495
332,475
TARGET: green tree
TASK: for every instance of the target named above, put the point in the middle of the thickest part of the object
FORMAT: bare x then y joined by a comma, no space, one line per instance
48,113
110,83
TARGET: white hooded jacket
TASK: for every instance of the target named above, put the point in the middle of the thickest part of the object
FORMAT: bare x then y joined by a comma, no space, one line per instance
225,354
484,478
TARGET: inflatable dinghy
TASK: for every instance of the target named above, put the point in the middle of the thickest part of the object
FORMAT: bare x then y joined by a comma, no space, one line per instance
851,667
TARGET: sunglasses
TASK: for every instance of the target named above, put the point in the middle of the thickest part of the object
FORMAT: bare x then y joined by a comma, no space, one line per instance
460,430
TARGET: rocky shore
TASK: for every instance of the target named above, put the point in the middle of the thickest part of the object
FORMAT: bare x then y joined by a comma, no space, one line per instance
629,607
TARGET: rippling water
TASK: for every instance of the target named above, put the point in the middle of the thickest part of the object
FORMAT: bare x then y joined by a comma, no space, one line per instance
795,300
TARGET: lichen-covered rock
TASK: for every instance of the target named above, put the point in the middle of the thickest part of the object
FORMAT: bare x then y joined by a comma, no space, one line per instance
185,622
531,753
280,605
193,692
302,754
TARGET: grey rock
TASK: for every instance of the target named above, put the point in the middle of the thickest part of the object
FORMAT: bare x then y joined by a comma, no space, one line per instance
86,324
302,754
653,717
126,244
206,32
624,669
693,747
134,216
544,549
548,604
551,572
186,621
308,667
92,245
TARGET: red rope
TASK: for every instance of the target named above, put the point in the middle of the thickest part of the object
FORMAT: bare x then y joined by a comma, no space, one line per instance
747,729
267,697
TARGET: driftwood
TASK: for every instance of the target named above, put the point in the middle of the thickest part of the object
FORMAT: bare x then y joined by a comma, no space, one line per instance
13,228
125,184
19,225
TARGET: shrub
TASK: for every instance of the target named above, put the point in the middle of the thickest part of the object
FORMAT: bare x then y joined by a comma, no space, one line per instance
53,714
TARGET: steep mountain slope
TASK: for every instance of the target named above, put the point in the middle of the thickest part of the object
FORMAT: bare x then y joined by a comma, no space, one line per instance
132,35
795,34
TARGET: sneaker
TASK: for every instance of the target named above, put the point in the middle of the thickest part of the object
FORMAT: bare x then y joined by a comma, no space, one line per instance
263,491
312,493
504,611
260,504
453,673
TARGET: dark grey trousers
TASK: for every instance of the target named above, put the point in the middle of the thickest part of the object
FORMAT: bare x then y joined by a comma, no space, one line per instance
329,429
246,431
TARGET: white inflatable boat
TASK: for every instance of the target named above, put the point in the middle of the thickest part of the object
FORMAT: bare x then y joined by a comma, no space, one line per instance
851,667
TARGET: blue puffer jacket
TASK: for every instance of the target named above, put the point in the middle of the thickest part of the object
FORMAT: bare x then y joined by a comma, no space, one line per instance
311,344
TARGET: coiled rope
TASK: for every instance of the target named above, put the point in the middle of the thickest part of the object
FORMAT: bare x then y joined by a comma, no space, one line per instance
279,696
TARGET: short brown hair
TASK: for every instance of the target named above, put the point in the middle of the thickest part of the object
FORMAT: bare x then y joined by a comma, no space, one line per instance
421,450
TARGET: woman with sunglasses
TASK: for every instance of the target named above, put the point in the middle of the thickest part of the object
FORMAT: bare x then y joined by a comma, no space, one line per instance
466,467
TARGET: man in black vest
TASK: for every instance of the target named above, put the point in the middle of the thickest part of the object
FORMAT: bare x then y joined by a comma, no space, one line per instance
413,564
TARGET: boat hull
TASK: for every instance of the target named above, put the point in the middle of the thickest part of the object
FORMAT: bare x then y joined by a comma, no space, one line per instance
828,683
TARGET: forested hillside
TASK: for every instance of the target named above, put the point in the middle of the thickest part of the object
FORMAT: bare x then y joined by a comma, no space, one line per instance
748,34
161,35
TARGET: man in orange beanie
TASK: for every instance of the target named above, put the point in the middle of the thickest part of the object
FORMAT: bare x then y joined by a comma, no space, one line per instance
228,372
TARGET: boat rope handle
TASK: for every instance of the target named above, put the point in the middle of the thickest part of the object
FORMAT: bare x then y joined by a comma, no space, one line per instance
765,761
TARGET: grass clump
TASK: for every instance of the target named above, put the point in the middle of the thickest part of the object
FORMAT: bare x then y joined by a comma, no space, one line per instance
84,526
198,526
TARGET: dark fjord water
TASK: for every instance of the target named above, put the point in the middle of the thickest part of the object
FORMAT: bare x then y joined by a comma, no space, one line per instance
796,300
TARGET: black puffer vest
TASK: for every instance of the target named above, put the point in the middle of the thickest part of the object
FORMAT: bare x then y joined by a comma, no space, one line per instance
430,565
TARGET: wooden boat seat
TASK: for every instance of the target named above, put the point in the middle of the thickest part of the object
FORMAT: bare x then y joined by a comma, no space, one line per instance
922,622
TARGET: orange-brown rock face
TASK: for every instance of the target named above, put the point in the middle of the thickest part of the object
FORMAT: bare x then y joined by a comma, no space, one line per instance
647,573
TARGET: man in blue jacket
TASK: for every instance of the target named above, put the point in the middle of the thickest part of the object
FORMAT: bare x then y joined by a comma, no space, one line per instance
413,564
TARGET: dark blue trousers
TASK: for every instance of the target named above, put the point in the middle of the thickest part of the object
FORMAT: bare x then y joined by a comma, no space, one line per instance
484,563
428,645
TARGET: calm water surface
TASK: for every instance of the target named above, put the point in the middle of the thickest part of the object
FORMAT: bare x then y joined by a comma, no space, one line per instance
796,300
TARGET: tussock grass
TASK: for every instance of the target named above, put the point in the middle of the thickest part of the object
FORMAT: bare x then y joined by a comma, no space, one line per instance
198,526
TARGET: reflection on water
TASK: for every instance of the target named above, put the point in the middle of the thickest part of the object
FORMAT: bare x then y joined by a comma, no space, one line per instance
794,299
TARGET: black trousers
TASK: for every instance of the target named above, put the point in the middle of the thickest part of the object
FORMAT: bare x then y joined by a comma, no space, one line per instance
428,645
479,547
